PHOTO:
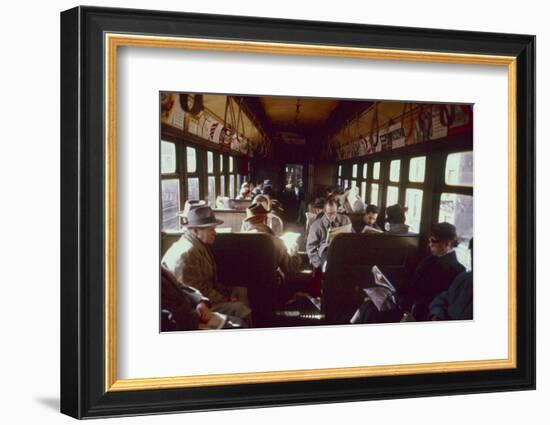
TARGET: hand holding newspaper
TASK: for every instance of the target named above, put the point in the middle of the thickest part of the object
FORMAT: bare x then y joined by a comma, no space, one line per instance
333,231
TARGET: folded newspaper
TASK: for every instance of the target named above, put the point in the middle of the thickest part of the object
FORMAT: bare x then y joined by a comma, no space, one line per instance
332,232
382,293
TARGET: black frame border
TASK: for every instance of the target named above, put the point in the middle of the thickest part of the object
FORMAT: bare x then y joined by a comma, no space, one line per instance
82,207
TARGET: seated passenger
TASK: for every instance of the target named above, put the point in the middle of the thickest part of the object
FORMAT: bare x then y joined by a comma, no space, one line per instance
188,206
316,245
456,303
245,193
369,219
192,263
434,274
352,201
395,221
256,222
185,308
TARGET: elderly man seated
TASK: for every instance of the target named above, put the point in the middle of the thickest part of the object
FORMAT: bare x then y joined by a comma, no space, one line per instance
191,262
317,243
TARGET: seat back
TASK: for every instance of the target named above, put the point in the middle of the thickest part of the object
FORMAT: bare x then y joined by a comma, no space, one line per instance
231,218
349,263
248,259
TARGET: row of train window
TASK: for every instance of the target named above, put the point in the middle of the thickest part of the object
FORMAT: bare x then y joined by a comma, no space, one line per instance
183,176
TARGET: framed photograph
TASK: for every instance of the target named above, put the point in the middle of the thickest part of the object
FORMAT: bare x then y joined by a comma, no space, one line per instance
261,212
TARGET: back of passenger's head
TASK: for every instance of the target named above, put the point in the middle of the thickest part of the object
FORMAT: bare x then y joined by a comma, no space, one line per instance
263,200
372,209
444,232
255,210
395,214
267,190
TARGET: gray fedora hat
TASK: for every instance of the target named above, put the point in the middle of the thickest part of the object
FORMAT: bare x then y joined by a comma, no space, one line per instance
201,217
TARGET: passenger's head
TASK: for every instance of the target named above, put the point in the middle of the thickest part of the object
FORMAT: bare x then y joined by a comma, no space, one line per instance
442,238
258,212
263,200
202,222
395,214
371,214
330,208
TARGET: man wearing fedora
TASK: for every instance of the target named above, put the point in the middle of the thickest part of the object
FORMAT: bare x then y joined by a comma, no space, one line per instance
191,262
256,222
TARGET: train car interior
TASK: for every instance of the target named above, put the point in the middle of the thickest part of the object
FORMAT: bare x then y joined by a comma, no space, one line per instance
325,211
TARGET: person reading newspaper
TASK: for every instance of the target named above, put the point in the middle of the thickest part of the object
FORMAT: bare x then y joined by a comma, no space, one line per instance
323,230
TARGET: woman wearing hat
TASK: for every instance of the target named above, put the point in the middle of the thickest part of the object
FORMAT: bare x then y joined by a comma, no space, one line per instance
436,273
191,262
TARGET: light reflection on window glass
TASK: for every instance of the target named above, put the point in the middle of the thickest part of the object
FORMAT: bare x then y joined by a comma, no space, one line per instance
417,169
221,163
231,186
392,196
459,169
354,171
193,189
376,171
459,211
167,157
230,164
170,203
339,171
210,161
395,165
211,189
365,169
374,193
413,203
191,159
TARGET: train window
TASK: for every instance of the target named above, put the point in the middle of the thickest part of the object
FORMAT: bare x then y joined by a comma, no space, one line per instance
230,164
413,203
374,193
459,169
170,189
231,185
392,196
376,171
395,166
339,182
221,163
354,171
193,188
222,185
191,160
167,157
339,171
459,210
364,192
365,169
210,161
417,169
211,189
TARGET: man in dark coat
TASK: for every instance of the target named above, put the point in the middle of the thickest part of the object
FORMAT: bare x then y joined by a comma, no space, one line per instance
434,274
